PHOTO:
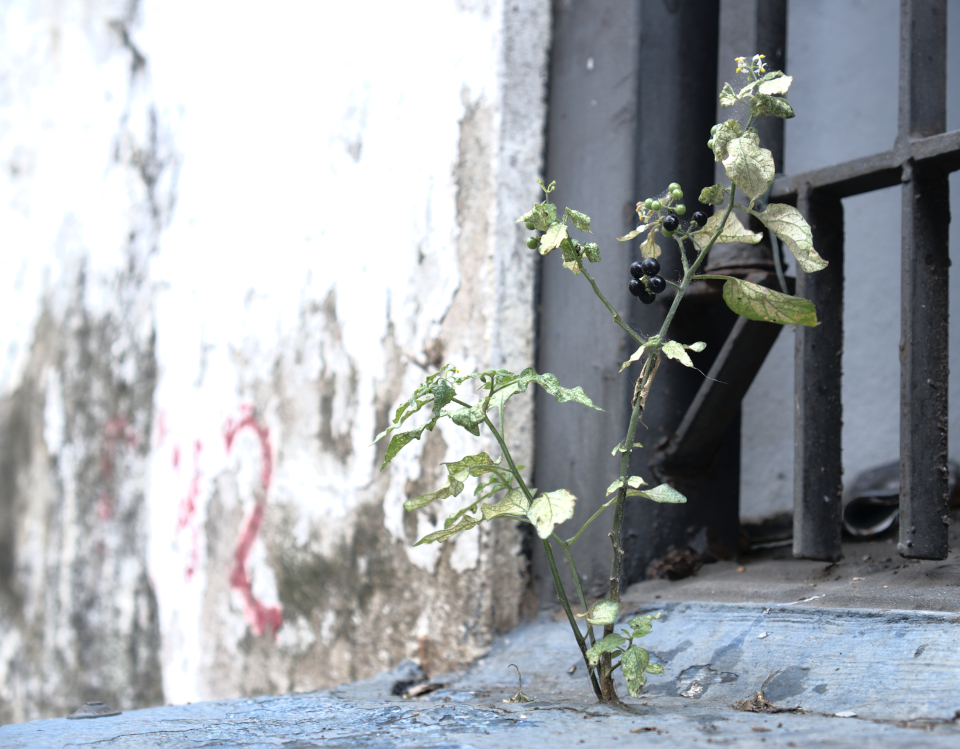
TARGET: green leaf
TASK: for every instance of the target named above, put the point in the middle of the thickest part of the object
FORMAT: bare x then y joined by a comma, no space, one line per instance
676,351
748,166
653,668
634,482
649,246
443,392
733,230
550,509
515,503
789,224
469,418
698,346
775,84
727,132
760,303
592,251
663,493
457,472
608,643
603,612
551,384
400,440
635,233
553,237
580,220
763,105
712,195
727,96
641,626
633,662
541,216
465,524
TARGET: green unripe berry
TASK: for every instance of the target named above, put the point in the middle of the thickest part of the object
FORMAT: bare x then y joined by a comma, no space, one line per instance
713,130
533,243
667,234
677,194
656,205
680,209
673,186
530,226
648,204
710,144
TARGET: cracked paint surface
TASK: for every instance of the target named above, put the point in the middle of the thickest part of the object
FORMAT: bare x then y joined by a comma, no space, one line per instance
225,270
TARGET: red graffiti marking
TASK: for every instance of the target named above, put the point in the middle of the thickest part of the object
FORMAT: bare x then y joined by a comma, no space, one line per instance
258,616
116,432
186,513
176,457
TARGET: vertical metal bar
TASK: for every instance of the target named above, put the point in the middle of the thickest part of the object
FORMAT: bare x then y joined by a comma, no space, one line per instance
924,351
819,416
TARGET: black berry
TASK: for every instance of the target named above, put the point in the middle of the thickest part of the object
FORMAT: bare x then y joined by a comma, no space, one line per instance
647,298
650,266
671,222
699,218
656,284
636,269
636,287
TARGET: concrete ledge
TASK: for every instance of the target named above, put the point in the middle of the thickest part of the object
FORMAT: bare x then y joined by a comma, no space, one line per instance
896,670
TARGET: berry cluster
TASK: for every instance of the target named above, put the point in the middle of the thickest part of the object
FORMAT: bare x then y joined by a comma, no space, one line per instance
646,284
670,202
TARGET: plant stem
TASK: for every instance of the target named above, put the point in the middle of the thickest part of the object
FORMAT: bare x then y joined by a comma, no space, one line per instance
558,583
604,506
607,686
573,622
577,583
610,308
506,454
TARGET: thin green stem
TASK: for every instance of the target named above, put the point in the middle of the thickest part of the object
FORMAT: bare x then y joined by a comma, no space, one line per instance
558,583
561,593
506,453
610,308
577,583
569,541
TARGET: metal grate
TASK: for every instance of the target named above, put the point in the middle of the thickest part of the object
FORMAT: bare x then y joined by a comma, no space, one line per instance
921,159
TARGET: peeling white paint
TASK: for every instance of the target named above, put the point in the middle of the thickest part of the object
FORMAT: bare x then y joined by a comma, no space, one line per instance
264,227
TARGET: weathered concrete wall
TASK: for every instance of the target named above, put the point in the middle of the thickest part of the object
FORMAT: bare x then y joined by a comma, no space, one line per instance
232,242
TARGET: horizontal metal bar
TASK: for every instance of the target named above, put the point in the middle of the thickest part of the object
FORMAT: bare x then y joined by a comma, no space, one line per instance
873,172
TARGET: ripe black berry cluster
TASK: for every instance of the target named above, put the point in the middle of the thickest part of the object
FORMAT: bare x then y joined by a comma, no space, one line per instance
646,284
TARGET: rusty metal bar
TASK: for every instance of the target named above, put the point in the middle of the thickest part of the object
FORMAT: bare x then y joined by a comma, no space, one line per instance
924,350
818,486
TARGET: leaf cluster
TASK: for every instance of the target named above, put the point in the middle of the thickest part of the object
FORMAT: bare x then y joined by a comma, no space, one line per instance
556,233
495,388
634,659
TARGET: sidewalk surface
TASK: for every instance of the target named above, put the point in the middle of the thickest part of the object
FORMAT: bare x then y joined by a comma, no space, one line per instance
865,653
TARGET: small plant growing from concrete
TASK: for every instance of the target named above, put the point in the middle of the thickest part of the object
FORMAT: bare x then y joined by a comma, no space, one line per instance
501,491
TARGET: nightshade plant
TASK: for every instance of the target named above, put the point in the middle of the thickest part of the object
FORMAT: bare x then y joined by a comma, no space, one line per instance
502,491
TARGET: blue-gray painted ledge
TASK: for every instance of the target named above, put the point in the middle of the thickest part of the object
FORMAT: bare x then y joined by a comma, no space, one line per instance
897,671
